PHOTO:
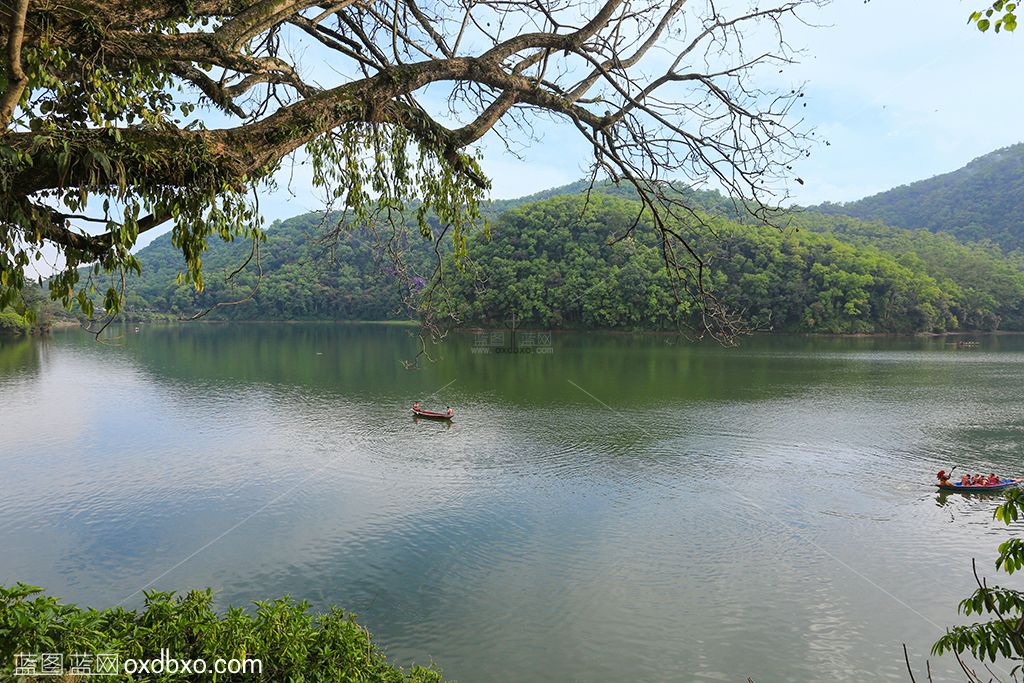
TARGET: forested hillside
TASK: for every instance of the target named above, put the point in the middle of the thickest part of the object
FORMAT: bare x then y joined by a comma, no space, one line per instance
553,263
301,275
821,274
981,201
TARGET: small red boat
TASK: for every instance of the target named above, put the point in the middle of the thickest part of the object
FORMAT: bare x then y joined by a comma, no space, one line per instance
431,415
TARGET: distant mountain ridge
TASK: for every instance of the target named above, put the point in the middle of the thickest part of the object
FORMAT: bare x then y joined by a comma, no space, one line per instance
710,201
983,200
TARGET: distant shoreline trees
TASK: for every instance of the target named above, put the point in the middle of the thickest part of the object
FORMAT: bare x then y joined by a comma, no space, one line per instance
567,262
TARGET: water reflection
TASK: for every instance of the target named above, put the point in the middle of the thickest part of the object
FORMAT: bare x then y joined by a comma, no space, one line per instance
716,513
18,356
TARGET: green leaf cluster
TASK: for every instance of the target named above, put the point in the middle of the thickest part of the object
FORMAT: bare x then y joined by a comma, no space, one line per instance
999,16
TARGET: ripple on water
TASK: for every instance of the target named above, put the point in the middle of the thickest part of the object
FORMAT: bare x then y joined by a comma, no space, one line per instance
779,524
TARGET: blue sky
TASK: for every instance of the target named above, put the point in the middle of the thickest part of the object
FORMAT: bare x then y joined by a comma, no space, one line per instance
901,90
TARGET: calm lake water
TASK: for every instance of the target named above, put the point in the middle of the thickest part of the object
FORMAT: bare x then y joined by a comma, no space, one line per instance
623,508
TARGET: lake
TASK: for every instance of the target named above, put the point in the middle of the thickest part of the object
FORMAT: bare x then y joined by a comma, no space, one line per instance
604,508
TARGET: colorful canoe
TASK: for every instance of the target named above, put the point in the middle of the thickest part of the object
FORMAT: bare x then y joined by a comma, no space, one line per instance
1001,486
431,415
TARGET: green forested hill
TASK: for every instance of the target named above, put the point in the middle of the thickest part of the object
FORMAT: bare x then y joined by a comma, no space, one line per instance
301,276
553,264
821,274
981,201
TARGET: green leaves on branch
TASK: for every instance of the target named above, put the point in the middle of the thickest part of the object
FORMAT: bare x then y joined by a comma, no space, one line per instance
1000,16
73,105
376,171
110,169
1011,508
1011,555
98,154
1003,634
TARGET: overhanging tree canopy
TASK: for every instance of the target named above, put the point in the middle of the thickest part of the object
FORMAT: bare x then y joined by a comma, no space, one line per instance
103,103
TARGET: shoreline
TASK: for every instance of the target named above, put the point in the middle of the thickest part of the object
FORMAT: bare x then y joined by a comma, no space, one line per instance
64,324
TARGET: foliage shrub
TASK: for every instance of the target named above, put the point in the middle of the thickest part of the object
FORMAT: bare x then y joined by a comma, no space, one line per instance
292,642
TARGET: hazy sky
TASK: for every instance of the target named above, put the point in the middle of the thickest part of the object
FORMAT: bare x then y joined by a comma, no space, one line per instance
901,90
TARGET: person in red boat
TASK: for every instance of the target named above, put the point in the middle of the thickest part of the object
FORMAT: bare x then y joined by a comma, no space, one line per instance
416,405
943,478
450,412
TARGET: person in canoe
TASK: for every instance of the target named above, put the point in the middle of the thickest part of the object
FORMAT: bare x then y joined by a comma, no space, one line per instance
416,405
943,478
965,480
449,412
992,479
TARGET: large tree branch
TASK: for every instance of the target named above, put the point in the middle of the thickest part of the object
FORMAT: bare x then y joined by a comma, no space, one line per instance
243,150
218,94
16,77
496,61
119,14
256,19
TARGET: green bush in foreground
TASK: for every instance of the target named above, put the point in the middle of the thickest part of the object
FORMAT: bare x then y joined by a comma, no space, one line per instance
291,642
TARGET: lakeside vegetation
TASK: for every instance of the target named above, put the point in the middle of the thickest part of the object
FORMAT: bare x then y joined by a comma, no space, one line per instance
13,324
1001,609
35,314
555,264
291,642
558,263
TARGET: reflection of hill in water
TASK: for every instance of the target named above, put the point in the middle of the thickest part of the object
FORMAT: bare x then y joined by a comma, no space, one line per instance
621,370
17,356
